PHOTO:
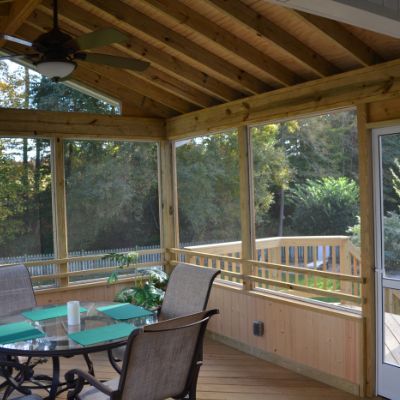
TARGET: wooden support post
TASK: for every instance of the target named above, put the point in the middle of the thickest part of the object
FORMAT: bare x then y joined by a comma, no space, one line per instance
367,247
345,265
169,227
246,203
59,205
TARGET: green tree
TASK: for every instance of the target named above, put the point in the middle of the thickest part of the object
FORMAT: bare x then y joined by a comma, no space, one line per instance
326,206
208,188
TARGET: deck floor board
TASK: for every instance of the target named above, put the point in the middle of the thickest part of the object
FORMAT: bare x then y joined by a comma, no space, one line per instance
228,374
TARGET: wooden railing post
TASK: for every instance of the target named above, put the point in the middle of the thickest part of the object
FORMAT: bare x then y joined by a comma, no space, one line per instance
345,265
59,206
367,245
169,228
247,216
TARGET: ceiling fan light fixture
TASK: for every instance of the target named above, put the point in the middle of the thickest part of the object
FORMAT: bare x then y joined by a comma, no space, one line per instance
55,69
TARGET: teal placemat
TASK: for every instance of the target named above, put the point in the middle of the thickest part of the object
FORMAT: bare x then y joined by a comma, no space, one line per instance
102,334
123,311
17,332
47,313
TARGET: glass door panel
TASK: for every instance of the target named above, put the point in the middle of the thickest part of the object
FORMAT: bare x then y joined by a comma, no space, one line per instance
386,145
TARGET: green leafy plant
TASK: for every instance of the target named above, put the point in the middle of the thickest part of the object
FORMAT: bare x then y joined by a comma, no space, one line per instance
326,206
124,260
148,291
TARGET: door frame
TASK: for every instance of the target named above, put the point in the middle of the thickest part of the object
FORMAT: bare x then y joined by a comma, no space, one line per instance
381,368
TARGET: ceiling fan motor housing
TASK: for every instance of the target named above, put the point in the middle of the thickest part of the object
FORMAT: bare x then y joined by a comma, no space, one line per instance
54,46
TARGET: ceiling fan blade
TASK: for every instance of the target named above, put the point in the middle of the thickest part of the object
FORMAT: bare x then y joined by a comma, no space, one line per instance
102,37
14,39
113,61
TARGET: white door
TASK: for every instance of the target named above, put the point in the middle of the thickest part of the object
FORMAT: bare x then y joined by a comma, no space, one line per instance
386,145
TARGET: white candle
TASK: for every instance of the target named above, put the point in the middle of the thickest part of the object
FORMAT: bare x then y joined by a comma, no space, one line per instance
73,312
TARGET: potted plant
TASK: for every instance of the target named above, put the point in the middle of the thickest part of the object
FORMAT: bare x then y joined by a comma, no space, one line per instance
149,289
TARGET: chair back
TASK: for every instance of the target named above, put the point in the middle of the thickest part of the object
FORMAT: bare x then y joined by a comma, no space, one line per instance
160,361
16,292
188,290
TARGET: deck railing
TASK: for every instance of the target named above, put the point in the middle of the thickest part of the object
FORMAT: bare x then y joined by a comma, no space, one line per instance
49,274
324,268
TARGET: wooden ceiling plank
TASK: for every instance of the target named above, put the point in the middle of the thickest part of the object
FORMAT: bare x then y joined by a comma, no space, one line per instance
5,10
36,122
185,15
138,48
126,78
121,15
19,12
338,33
42,16
267,29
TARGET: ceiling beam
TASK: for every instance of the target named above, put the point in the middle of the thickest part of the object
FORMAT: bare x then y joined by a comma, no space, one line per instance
226,40
47,123
275,34
336,32
121,15
367,84
199,79
42,17
19,12
128,79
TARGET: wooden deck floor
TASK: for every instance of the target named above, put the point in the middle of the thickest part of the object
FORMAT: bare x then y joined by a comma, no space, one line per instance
228,374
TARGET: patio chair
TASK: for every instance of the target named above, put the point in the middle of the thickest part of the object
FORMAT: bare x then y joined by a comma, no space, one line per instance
161,361
187,293
16,291
188,290
16,294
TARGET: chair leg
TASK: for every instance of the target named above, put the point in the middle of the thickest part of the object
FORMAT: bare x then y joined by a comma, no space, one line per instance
114,361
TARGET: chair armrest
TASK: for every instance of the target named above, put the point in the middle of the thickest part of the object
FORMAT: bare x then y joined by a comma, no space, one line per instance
76,379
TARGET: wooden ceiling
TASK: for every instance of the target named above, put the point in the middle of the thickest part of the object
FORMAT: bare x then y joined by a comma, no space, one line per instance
202,52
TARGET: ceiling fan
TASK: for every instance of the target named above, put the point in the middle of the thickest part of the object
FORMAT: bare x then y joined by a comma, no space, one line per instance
56,51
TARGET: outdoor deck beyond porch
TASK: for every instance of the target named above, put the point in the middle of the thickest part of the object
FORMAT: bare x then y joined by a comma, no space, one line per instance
230,374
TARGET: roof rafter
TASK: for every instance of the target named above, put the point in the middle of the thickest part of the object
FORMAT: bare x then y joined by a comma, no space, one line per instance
337,32
121,15
18,13
132,80
185,15
42,16
365,84
137,47
267,29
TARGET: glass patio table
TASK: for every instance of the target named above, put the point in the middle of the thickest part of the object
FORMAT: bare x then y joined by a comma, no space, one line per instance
56,342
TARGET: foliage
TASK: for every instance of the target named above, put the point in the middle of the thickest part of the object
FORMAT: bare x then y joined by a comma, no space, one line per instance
208,188
391,234
112,188
123,260
355,233
112,194
148,293
325,206
272,171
